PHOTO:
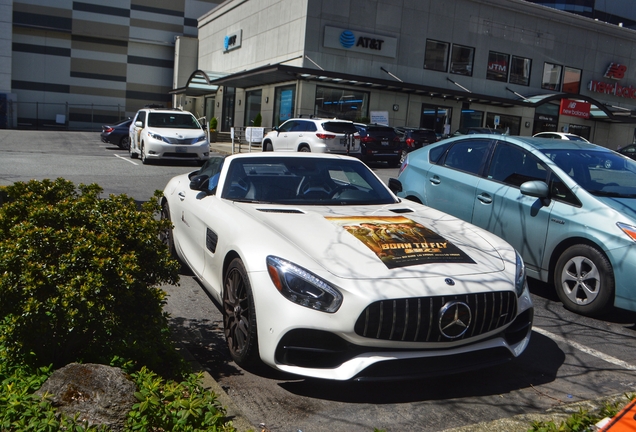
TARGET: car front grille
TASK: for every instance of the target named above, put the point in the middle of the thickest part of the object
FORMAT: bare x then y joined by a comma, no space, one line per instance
418,319
184,141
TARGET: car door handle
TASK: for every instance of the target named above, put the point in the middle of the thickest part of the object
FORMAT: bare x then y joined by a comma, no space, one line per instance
435,180
485,198
181,195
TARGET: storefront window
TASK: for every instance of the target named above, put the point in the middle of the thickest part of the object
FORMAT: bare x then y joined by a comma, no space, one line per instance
580,130
227,120
571,80
436,118
341,103
284,104
507,124
551,76
252,106
436,56
470,118
497,66
462,60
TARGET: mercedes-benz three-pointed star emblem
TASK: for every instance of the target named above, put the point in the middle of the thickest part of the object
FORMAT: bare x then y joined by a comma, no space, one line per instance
454,319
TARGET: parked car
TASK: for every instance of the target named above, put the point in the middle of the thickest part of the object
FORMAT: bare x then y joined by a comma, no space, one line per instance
560,135
379,143
629,151
315,135
158,133
569,208
415,138
117,133
322,272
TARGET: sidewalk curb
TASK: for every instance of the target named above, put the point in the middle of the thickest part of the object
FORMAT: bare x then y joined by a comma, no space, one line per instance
233,413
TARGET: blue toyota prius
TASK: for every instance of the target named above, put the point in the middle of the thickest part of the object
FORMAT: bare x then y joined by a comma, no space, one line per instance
568,207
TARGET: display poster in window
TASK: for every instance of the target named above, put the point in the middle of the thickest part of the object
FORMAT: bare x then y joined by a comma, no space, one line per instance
380,117
400,242
286,103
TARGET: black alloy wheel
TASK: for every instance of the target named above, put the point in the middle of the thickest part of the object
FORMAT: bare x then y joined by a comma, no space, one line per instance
167,236
239,316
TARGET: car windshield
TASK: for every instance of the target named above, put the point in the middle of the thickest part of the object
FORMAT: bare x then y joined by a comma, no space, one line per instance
173,120
304,181
600,172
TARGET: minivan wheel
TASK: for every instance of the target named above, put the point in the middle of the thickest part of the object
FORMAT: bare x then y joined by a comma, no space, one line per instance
268,147
584,280
304,148
144,159
133,154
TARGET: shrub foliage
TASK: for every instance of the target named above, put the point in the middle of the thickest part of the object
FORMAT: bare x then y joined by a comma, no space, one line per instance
79,277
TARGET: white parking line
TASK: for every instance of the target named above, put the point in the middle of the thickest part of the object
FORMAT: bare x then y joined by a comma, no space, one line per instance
587,350
126,159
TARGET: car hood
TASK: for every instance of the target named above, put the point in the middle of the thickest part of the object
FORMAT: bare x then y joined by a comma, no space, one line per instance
415,244
626,206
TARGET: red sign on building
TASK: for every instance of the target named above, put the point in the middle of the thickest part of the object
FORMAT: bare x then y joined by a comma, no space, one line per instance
574,108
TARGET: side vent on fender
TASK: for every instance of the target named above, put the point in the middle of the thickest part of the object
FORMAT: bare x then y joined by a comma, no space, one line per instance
211,239
402,210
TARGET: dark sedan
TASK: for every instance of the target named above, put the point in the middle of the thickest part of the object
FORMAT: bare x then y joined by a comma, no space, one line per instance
629,151
117,134
415,138
379,143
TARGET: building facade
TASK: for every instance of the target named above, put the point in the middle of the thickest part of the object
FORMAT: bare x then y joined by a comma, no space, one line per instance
79,64
618,12
505,64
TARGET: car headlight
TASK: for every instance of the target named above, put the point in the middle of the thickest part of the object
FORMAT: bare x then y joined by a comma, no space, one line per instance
201,138
155,136
303,287
520,274
628,229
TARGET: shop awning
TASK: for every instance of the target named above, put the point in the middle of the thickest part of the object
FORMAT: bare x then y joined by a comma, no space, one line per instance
598,111
199,84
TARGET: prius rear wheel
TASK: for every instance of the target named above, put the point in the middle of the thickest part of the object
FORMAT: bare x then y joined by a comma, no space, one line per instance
239,316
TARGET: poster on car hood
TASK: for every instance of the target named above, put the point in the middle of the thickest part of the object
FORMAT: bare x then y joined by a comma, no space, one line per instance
399,242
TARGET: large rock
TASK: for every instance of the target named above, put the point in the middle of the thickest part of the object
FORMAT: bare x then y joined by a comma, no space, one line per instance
101,395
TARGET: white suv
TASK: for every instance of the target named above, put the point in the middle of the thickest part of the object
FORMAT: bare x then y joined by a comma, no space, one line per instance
167,134
314,135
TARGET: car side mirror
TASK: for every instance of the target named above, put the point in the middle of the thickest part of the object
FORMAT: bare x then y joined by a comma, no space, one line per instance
395,185
537,189
139,124
199,182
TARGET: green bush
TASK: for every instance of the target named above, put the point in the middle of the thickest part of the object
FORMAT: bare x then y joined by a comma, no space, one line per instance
258,120
163,405
79,278
213,123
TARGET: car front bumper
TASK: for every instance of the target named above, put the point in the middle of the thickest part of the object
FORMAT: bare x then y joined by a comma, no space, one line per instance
309,343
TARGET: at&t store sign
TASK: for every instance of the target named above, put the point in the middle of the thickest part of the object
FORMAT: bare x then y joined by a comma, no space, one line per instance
352,40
